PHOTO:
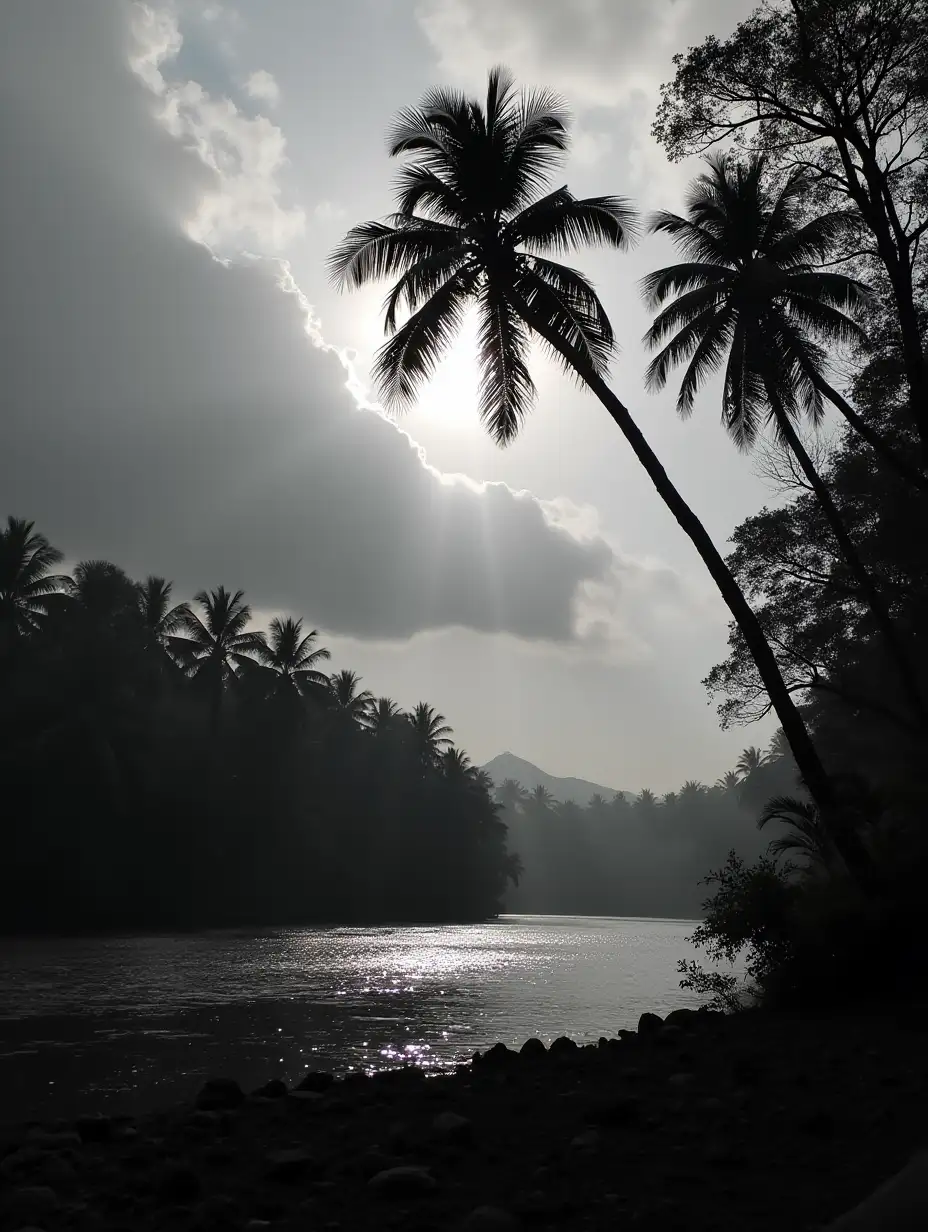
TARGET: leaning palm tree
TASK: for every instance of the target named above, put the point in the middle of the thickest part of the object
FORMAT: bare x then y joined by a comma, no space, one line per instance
473,223
749,299
431,733
27,585
292,657
220,642
806,835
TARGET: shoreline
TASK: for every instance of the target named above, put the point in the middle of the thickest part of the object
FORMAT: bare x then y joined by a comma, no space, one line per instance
702,1121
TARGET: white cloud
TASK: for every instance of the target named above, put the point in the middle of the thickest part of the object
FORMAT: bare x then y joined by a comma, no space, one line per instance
247,154
262,86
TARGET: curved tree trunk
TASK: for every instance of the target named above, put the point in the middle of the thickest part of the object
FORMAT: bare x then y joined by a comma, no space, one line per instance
814,775
873,598
889,455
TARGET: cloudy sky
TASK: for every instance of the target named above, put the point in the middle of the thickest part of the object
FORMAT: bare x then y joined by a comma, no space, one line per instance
185,394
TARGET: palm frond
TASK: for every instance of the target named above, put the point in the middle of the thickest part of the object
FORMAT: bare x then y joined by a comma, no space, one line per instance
561,222
375,250
706,358
696,243
681,346
585,335
813,243
422,281
418,187
744,397
506,392
410,356
682,279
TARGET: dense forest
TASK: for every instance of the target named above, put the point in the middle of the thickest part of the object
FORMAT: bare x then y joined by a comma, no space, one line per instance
644,855
167,765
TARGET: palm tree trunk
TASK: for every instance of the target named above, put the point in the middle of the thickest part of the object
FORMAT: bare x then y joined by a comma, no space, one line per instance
873,439
804,752
874,600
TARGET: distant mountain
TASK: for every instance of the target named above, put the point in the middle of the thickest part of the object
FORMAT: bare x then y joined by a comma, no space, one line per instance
508,766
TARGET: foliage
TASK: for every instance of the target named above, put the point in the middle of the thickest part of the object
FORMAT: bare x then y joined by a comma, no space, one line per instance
170,768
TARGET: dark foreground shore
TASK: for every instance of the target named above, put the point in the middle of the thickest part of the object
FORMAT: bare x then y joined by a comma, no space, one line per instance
704,1122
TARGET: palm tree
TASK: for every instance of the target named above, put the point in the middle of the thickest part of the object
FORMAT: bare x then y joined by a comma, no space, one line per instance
456,766
27,585
221,642
291,655
806,836
162,621
431,732
348,698
748,292
729,781
471,228
751,760
779,746
540,800
511,795
384,715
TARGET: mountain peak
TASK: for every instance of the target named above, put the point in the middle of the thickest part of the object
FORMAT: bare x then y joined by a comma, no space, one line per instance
509,766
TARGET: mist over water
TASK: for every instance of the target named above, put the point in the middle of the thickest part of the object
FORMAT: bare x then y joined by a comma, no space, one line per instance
125,1023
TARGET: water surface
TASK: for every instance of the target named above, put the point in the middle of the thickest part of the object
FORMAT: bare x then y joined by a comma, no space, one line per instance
125,1023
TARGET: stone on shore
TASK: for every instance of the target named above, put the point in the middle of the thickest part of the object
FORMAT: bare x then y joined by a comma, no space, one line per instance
407,1181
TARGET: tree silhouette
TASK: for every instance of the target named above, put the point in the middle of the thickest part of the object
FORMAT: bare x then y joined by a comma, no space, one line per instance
348,698
384,716
748,291
430,731
471,227
220,642
749,762
806,835
27,585
161,620
292,657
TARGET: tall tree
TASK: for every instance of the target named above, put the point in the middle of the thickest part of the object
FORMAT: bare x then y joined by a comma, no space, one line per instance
162,620
749,298
749,762
836,88
292,656
220,641
349,698
27,584
471,227
430,731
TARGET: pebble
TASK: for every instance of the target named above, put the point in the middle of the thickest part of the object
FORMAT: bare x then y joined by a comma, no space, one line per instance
408,1181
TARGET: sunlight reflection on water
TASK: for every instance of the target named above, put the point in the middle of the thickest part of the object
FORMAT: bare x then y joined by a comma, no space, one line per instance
134,1020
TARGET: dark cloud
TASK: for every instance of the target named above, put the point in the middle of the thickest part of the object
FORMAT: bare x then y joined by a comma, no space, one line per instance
170,412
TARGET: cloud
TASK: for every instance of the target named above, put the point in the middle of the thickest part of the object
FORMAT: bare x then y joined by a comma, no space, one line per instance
600,54
245,153
173,412
262,86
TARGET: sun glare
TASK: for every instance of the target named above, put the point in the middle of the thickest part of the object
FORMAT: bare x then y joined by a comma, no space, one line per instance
450,396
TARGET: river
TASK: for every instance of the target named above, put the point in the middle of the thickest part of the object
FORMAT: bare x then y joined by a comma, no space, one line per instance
126,1023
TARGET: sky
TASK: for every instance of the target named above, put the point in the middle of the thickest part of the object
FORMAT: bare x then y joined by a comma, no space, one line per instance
186,394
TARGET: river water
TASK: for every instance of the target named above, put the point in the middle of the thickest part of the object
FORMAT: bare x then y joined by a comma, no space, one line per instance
127,1023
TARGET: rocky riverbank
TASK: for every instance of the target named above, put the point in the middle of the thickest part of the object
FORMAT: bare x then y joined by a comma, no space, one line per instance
699,1122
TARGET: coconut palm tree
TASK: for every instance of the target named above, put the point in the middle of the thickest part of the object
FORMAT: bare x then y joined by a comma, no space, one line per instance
751,760
472,227
806,836
729,781
748,298
511,795
292,655
162,620
431,733
27,585
456,766
220,641
384,716
348,698
540,801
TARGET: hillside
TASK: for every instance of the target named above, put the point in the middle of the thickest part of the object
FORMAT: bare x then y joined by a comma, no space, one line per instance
508,766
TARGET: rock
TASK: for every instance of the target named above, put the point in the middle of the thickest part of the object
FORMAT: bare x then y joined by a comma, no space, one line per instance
532,1049
589,1140
275,1089
649,1024
683,1018
563,1046
452,1127
488,1219
177,1184
20,1161
94,1128
220,1095
316,1083
31,1202
681,1080
498,1055
202,1119
616,1112
305,1097
374,1160
409,1181
54,1141
290,1165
